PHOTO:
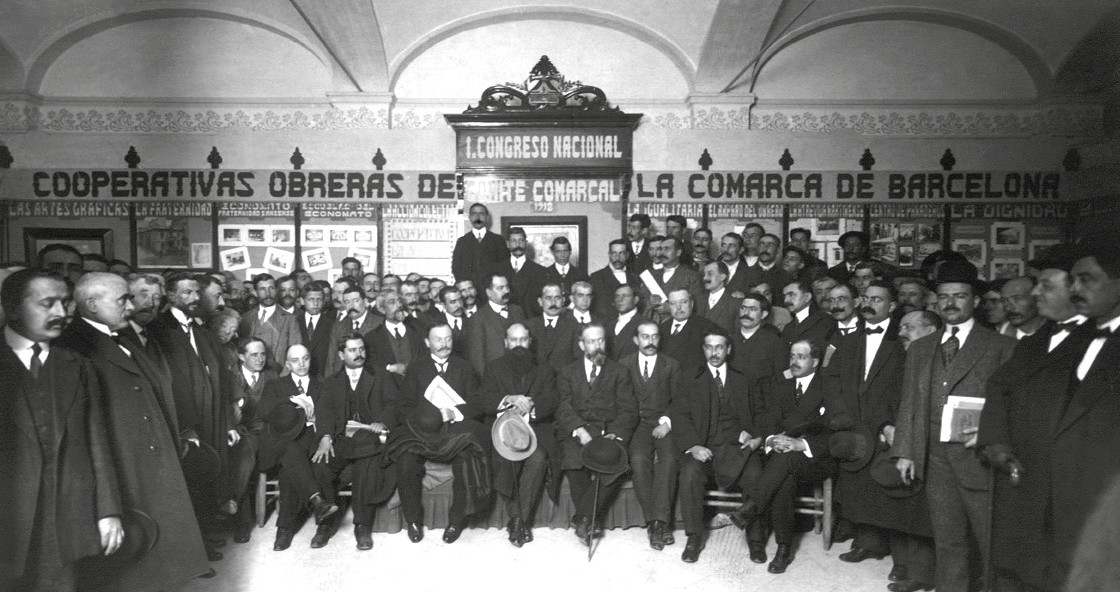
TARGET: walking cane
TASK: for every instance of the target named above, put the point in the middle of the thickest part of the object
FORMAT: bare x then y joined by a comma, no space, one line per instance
988,585
594,512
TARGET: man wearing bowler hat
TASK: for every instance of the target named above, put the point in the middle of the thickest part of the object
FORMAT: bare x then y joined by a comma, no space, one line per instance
289,440
357,411
855,244
520,399
596,400
868,368
958,360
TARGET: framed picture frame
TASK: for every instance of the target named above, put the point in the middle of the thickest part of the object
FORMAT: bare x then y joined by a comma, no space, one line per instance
201,256
87,240
1006,268
367,257
1038,248
235,259
162,243
364,237
231,235
279,260
257,236
313,236
906,255
282,235
541,230
1008,235
317,259
973,249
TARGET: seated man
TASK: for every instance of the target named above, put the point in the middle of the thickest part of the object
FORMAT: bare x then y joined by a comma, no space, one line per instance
250,378
596,400
288,404
516,382
796,444
716,427
446,386
357,411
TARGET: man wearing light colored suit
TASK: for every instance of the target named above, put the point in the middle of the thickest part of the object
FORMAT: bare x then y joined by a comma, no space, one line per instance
958,360
486,330
268,322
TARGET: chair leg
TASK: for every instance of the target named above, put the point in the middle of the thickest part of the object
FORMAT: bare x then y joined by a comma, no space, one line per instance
261,508
826,514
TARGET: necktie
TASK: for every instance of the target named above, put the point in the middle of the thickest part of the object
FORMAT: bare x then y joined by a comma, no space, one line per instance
310,325
950,347
299,387
357,325
397,332
719,383
442,367
676,328
645,372
1070,326
504,312
798,392
872,330
550,324
262,315
252,379
455,324
594,374
36,363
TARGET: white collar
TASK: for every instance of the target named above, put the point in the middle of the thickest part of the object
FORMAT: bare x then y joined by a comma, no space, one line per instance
99,326
393,326
446,361
181,316
304,379
751,260
767,267
361,320
802,314
642,359
625,318
851,324
313,317
1111,325
18,342
577,315
353,373
249,374
290,311
804,382
722,372
451,319
267,310
479,233
679,324
497,307
963,329
715,296
517,261
883,323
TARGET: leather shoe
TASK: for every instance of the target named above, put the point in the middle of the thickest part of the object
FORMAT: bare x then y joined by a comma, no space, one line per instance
859,554
283,539
452,533
782,558
322,536
526,533
213,554
582,526
322,509
667,535
744,515
515,528
898,573
243,533
757,551
908,586
363,534
692,548
656,536
415,532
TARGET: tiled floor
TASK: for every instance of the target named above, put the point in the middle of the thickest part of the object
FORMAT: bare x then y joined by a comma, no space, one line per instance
484,559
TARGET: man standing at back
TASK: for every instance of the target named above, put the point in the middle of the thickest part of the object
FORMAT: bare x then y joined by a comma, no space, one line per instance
486,330
479,252
268,322
606,280
525,275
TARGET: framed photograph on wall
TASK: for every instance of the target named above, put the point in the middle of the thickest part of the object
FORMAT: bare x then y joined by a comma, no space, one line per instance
1008,235
906,255
365,237
279,260
231,235
367,257
283,235
313,236
1007,268
257,236
201,256
162,243
973,249
87,240
541,230
316,259
235,259
1038,248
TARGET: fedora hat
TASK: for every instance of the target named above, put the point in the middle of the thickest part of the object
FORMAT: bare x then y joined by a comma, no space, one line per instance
140,534
853,448
885,473
605,455
201,464
514,439
286,421
426,423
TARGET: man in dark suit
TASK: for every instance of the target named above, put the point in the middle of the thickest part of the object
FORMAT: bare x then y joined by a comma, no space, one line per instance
802,238
315,328
795,432
357,411
463,423
718,304
842,305
516,383
596,400
555,335
808,321
673,276
250,376
653,454
268,322
768,268
486,330
757,350
525,275
479,252
562,272
357,315
638,257
622,326
198,383
683,334
868,368
57,477
396,343
855,244
606,280
675,227
582,296
453,315
716,426
143,437
958,360
288,405
731,251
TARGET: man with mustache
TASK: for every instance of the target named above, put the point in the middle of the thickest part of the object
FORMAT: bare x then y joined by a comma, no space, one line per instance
268,322
352,268
462,441
251,374
287,295
356,413
1019,302
842,303
211,300
731,253
479,252
912,295
718,305
779,316
683,333
757,349
701,248
516,383
768,267
525,276
958,360
676,227
470,297
608,279
410,294
451,312
638,256
486,330
203,406
855,244
358,317
808,321
147,299
397,342
995,315
555,335
596,401
622,327
917,324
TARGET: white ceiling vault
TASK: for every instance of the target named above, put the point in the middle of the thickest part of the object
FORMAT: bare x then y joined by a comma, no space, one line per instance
393,63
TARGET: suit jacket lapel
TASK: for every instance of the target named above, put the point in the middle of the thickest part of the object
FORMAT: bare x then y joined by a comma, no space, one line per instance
968,355
15,371
1103,378
882,356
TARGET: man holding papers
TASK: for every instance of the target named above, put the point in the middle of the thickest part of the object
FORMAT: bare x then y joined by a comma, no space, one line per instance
954,362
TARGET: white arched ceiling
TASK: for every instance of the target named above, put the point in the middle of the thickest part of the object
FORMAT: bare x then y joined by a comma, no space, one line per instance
894,60
465,63
11,71
186,58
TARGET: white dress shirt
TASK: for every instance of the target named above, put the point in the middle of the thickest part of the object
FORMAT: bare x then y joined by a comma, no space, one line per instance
623,319
186,322
21,346
713,297
1058,337
1094,349
103,328
873,342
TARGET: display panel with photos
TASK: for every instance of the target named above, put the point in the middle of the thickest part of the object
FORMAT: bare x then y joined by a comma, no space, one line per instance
256,237
1001,238
905,234
420,238
331,232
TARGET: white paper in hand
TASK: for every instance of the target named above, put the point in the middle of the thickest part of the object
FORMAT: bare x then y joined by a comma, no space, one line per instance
440,394
651,285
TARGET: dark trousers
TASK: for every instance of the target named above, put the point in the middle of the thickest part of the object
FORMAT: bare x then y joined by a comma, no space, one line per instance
582,488
694,479
243,466
530,481
360,499
654,465
914,552
410,476
776,490
954,509
297,478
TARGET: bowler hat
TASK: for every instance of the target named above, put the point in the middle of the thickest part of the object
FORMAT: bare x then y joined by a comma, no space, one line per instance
140,534
885,473
958,272
286,421
862,236
201,464
514,439
853,448
605,455
426,422
1059,256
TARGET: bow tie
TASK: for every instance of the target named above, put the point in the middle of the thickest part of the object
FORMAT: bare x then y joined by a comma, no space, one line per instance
1070,326
872,330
